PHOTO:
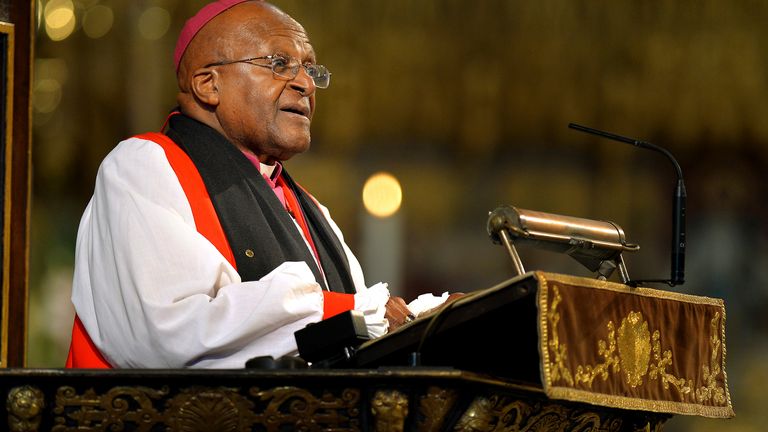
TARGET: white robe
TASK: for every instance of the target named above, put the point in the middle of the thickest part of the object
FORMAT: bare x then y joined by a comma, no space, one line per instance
153,292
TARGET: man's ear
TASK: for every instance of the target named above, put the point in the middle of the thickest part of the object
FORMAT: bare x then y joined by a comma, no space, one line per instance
204,86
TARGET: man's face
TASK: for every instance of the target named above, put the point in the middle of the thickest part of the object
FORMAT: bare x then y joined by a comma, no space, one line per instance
261,113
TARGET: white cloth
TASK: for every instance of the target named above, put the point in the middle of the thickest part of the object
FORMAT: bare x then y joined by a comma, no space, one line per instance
426,302
152,292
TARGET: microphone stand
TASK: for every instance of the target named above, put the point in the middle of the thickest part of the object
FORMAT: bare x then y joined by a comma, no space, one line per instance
677,268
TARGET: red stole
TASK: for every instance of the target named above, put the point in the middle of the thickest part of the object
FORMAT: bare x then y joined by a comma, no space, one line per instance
82,351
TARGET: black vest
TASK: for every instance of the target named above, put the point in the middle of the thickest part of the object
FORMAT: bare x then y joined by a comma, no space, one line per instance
251,214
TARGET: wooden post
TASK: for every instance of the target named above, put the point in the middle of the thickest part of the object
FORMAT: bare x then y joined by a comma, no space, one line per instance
16,52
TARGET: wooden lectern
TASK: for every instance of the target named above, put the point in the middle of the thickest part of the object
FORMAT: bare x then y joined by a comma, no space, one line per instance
538,352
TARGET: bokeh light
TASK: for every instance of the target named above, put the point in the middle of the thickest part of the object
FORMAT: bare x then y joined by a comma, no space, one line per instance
59,18
50,76
97,21
154,23
382,195
46,95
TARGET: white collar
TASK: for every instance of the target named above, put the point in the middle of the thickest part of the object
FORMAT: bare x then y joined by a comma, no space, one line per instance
267,170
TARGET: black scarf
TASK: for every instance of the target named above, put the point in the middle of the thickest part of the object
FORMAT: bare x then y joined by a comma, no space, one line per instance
251,214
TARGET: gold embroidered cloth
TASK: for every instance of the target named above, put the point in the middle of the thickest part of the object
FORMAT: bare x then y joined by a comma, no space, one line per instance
634,348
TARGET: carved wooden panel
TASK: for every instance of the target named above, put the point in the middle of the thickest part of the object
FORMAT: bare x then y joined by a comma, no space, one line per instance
424,400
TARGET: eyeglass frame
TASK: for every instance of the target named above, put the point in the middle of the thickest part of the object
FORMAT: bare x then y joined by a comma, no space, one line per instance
272,66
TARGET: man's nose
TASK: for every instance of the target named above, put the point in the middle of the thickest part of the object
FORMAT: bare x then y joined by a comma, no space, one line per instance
303,83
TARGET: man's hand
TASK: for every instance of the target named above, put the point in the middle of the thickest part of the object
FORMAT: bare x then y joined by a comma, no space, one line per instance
397,313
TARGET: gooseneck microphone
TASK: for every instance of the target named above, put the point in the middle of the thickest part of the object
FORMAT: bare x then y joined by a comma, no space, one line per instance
678,205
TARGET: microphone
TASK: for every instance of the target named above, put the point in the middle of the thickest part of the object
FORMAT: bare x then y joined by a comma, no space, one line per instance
677,268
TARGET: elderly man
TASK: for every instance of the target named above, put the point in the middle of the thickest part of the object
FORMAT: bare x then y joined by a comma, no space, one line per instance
197,248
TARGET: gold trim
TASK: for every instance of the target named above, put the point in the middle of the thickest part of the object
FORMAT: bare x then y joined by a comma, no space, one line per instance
635,345
630,403
725,375
711,390
543,306
7,29
613,286
559,368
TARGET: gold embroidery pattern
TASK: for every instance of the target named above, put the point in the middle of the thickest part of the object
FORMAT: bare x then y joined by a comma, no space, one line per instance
634,348
630,351
711,372
587,374
659,370
708,392
558,368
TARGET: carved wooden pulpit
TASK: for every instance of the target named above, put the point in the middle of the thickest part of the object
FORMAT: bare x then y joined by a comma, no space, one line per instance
538,352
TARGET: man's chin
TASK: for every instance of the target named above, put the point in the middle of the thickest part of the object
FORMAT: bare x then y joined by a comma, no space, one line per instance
285,152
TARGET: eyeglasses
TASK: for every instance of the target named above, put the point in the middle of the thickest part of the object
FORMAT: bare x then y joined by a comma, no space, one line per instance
286,68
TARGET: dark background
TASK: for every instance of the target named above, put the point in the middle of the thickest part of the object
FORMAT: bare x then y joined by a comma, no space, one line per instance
467,104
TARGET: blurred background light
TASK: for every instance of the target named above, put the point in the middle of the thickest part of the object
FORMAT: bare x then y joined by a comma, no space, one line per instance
38,14
47,95
59,16
382,195
97,21
154,23
53,68
50,75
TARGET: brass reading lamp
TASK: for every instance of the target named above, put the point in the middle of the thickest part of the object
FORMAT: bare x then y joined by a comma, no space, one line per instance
598,245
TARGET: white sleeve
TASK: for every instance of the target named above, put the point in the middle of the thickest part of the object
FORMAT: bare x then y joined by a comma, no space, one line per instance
371,301
152,292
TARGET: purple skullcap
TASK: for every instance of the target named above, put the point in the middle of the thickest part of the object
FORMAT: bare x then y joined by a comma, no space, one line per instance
196,23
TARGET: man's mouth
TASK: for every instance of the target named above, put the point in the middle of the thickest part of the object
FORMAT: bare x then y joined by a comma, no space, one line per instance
296,109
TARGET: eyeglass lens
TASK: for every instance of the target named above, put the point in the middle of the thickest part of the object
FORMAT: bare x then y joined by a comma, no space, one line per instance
289,68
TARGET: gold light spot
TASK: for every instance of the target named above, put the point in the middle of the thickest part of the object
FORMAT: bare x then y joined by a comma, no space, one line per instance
46,95
154,23
59,19
98,21
51,68
382,195
249,253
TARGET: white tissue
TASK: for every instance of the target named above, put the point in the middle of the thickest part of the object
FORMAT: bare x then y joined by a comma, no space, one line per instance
426,302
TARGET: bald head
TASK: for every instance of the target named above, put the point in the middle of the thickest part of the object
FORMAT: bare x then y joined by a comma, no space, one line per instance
226,80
